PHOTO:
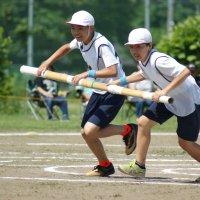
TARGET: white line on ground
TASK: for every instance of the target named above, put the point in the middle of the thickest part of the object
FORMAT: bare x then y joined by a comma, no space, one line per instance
59,169
69,134
158,165
85,145
82,158
83,154
131,181
182,171
187,166
40,134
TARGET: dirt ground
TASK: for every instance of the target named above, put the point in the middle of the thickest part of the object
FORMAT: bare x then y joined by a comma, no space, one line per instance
47,166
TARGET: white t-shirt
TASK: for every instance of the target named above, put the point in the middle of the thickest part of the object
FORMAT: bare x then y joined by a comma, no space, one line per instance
162,69
99,54
144,85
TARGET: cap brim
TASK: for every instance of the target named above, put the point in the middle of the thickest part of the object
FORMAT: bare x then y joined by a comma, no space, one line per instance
129,43
73,23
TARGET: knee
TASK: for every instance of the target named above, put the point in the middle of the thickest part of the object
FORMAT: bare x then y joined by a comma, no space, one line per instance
145,124
83,133
86,133
141,122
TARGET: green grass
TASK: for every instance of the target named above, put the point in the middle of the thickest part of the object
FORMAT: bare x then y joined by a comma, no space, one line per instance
25,122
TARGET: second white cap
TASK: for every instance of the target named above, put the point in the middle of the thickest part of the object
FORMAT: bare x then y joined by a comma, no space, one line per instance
139,36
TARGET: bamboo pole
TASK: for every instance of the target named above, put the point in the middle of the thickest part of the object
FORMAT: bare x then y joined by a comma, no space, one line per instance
93,84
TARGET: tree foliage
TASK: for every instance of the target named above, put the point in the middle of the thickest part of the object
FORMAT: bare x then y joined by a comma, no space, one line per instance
114,19
184,45
6,78
50,31
5,64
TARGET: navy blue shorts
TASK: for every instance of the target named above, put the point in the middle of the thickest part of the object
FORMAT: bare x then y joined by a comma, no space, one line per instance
188,126
102,109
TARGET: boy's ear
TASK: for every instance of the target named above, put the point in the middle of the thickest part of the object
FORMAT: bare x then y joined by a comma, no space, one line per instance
150,45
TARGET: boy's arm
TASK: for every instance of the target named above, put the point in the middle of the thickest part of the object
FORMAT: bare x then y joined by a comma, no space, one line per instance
107,72
103,73
171,86
134,77
63,50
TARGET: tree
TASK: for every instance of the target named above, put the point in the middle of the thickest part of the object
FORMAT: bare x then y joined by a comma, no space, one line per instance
184,45
5,64
114,19
49,31
6,78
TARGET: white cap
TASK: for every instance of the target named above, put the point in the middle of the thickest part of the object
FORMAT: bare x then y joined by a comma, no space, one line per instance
139,36
82,18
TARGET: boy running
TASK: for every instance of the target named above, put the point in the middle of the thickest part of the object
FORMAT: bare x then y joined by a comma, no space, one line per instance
174,80
105,66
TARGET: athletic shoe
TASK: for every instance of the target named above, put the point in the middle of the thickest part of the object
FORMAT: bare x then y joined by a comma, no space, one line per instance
130,139
132,169
102,171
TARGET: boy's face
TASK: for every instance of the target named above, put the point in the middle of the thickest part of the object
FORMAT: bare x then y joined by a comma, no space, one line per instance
140,52
82,33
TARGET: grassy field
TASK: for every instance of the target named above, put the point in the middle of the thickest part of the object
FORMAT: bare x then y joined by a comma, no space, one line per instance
25,121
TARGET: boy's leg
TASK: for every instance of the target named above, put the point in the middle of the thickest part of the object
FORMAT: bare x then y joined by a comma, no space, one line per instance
192,148
105,167
128,131
137,167
94,142
156,113
143,138
188,131
100,111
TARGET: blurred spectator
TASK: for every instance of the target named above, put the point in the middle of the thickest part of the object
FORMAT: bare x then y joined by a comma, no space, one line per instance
140,103
84,94
194,72
48,89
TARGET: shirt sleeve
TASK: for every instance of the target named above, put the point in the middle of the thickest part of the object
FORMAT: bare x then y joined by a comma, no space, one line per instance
143,74
74,44
108,56
169,66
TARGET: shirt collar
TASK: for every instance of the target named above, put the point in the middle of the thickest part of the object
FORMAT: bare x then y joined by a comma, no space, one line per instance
148,57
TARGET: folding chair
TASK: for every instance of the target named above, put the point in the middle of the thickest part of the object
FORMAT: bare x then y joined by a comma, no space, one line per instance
36,102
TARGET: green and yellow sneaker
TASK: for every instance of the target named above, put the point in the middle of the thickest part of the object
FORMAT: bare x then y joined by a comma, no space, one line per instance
132,169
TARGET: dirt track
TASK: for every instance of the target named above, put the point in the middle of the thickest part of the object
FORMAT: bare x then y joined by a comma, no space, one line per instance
52,166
